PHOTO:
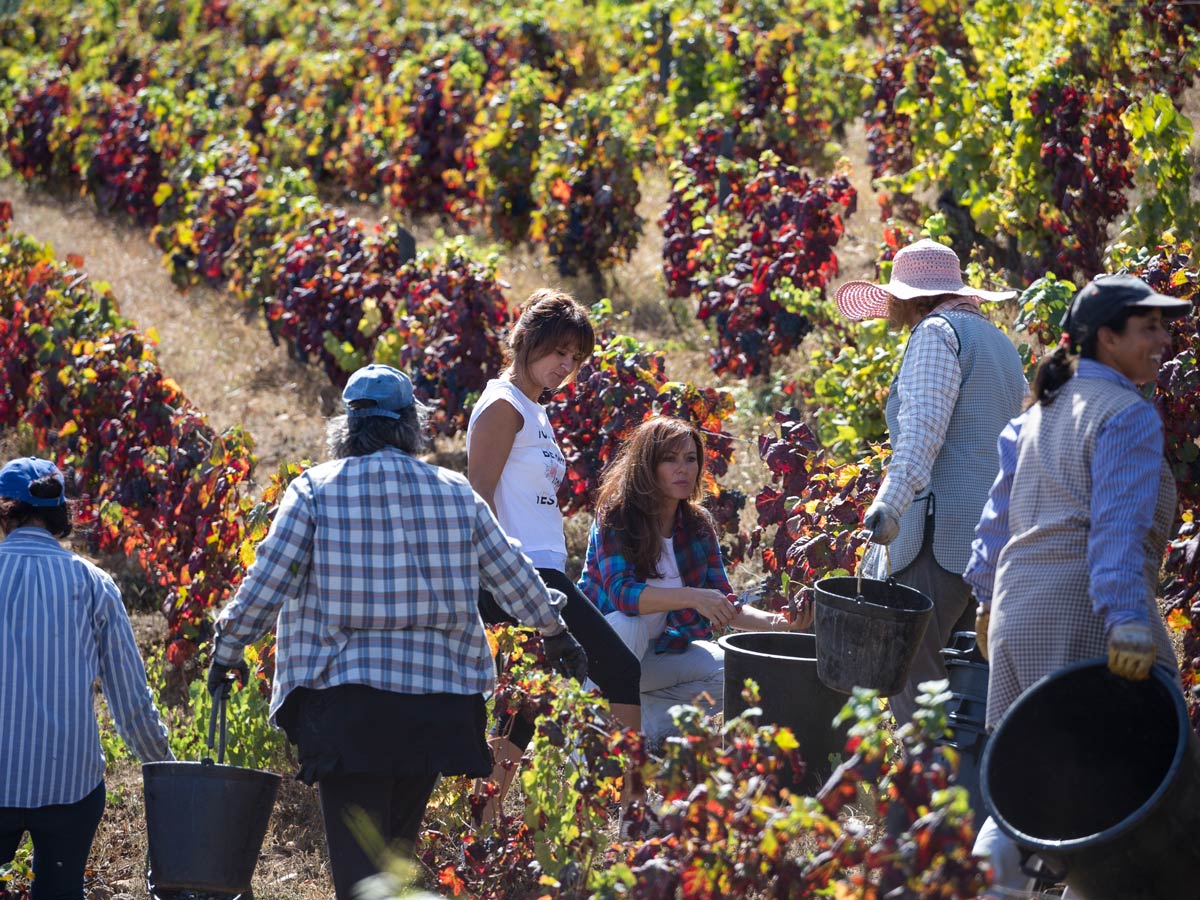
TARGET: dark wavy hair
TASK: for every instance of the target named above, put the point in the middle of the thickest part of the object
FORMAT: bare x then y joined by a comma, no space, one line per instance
345,437
629,500
1056,369
550,319
55,519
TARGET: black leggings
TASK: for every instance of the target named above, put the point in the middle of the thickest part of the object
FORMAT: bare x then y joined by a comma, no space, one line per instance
62,838
612,665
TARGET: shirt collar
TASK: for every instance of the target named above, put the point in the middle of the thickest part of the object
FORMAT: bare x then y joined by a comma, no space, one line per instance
965,304
1092,368
33,534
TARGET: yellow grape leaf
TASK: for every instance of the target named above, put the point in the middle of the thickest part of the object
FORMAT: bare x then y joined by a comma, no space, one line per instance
1177,620
89,374
151,335
163,192
785,740
246,554
846,474
69,429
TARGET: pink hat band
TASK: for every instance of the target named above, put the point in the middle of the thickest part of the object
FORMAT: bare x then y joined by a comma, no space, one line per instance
923,269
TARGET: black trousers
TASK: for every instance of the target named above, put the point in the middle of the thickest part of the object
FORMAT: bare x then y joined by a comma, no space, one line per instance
62,837
394,808
612,665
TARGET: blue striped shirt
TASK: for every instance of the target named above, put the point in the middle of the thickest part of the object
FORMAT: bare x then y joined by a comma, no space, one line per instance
1125,475
62,625
371,573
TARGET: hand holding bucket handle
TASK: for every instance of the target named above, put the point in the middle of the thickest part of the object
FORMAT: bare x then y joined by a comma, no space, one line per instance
882,521
219,685
1131,651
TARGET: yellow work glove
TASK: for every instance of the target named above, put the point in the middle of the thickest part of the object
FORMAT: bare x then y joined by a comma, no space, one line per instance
1131,651
983,617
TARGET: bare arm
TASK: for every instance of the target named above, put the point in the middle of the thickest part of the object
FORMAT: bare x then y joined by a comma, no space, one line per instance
711,604
751,618
491,442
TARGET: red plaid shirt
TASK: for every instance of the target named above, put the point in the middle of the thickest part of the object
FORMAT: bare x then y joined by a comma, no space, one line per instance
609,581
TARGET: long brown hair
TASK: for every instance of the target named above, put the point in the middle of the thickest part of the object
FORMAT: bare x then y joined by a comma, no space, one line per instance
630,500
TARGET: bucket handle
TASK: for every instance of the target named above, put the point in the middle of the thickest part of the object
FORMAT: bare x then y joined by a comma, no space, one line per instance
218,704
887,555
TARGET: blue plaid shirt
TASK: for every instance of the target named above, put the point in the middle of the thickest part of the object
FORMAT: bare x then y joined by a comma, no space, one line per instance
372,569
62,626
608,580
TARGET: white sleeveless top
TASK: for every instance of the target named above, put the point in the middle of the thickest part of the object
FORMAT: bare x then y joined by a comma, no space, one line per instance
526,494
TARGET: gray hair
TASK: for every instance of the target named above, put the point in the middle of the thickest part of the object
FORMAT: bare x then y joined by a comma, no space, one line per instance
362,436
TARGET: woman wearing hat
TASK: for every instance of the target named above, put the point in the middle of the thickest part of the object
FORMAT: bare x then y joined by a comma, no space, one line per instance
370,575
1067,552
959,383
62,626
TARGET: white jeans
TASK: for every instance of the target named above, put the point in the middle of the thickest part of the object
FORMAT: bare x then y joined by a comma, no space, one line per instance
696,676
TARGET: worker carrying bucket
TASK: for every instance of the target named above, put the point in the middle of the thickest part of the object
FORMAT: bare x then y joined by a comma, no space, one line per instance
960,381
1066,557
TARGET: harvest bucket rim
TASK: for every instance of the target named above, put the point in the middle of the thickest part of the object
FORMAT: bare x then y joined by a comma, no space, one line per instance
1162,676
726,644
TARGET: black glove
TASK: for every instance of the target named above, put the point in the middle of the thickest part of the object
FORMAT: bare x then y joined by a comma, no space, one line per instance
566,655
218,675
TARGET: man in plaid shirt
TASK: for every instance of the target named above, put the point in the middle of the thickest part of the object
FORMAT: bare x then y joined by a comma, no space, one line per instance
370,575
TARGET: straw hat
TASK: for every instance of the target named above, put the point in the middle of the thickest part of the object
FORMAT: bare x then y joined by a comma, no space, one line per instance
923,269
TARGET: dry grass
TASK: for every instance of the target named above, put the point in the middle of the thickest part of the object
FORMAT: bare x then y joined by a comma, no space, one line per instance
224,361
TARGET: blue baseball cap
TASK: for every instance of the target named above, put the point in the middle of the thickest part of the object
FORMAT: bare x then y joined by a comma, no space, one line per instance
18,475
389,388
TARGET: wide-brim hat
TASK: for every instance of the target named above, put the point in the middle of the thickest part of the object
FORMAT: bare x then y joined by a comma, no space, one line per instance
923,269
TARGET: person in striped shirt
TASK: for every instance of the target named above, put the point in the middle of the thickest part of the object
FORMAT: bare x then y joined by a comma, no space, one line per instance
370,575
62,626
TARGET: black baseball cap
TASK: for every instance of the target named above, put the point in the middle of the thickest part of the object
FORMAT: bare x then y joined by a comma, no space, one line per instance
1102,299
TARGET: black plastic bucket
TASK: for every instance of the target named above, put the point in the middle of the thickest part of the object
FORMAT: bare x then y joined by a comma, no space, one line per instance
868,643
966,712
1100,776
784,665
205,822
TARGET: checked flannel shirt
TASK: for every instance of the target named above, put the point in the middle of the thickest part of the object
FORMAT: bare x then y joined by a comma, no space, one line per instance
373,566
608,580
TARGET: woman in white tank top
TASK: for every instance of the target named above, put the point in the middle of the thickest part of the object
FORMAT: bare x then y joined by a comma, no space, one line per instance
514,463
